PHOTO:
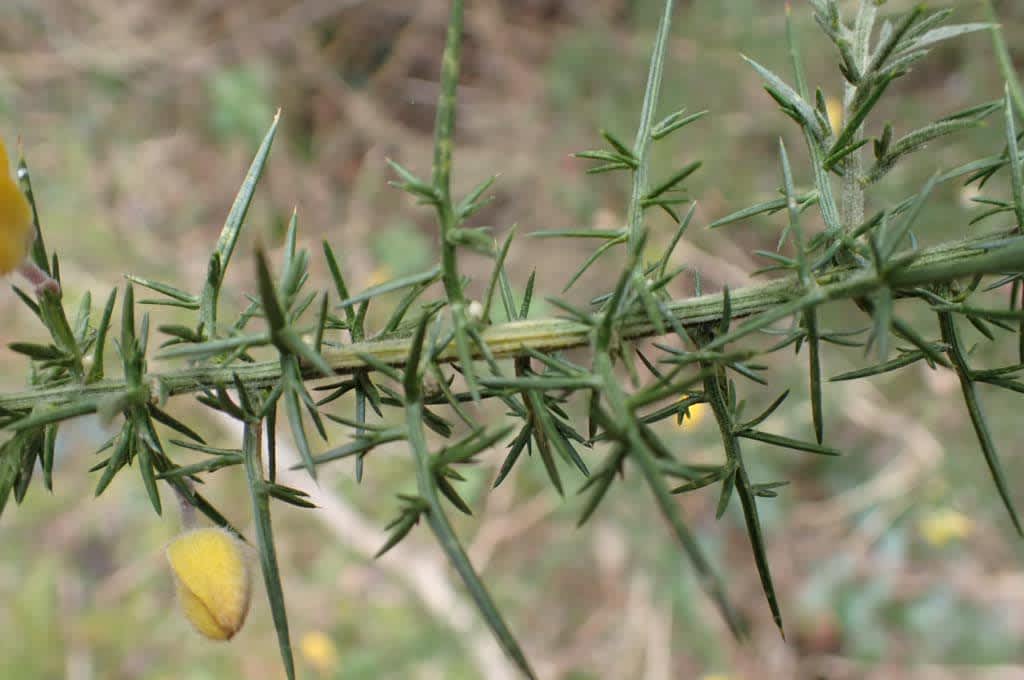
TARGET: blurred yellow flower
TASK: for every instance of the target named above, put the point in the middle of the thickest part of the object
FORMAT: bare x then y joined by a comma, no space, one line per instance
717,676
942,527
697,414
319,651
834,107
968,193
212,580
378,276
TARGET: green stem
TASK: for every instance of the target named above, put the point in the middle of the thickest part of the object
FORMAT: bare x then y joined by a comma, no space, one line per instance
642,144
640,453
445,535
444,141
851,202
515,339
253,461
958,358
1005,61
715,382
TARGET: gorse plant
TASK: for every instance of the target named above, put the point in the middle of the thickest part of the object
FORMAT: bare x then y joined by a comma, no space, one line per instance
440,349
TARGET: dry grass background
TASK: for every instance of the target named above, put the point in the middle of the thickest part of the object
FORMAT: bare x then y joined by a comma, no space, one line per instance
138,120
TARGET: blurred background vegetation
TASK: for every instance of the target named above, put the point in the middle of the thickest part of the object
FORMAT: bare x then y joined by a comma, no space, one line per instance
138,120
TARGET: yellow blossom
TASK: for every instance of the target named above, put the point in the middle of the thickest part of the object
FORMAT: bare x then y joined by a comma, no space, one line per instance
378,276
212,579
319,651
942,527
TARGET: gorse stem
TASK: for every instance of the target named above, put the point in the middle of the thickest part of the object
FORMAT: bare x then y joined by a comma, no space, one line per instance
852,194
980,255
444,142
642,144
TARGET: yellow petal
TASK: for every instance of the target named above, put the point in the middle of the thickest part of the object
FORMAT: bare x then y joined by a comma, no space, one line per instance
213,582
200,617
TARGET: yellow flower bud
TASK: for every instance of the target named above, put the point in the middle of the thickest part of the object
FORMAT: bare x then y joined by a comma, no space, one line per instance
475,311
212,577
16,228
834,107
